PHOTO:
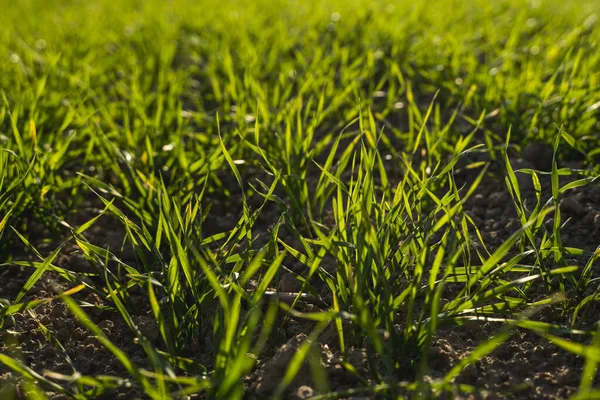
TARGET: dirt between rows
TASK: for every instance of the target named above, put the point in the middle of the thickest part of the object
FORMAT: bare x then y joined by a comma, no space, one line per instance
525,367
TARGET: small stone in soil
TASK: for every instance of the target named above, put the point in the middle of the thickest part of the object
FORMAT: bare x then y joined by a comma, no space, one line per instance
479,200
597,221
496,199
571,206
304,392
63,335
273,369
288,283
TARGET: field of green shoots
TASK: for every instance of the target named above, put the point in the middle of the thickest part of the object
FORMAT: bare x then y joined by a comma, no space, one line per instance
299,199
